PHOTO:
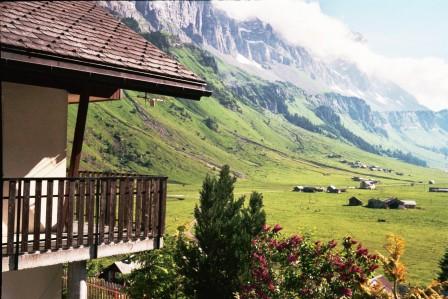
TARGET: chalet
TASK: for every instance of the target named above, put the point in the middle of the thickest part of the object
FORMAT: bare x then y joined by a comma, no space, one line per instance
54,54
438,189
117,270
354,201
333,189
309,189
297,189
391,203
375,203
370,185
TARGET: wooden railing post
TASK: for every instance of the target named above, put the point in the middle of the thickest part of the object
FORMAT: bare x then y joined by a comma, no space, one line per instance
161,211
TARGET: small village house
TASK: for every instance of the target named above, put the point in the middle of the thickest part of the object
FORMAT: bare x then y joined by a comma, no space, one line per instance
408,204
370,185
333,189
309,189
354,201
297,189
117,270
438,189
391,203
54,54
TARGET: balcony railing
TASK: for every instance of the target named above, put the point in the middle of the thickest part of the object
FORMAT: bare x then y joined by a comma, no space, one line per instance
53,214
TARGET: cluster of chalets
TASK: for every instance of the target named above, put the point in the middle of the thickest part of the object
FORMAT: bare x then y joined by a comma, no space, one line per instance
312,189
390,203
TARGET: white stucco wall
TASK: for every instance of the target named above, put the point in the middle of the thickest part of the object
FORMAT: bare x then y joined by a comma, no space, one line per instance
34,138
34,124
34,130
37,283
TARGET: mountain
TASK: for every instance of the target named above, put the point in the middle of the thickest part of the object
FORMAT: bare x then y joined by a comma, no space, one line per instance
257,48
257,68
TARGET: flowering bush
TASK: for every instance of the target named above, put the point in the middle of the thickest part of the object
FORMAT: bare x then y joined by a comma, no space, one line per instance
296,267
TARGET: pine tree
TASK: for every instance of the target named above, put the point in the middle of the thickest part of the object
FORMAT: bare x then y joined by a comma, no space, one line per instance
443,274
215,263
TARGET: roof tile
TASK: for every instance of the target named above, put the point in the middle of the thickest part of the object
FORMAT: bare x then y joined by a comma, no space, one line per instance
85,31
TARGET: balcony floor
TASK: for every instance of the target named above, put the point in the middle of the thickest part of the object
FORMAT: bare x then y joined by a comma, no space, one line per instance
79,250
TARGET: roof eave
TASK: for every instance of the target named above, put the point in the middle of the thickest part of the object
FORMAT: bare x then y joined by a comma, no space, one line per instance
77,76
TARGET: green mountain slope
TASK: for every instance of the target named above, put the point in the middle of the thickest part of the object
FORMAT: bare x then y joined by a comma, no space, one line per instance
185,139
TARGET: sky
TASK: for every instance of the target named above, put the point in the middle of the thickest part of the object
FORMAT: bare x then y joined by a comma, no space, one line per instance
404,41
417,28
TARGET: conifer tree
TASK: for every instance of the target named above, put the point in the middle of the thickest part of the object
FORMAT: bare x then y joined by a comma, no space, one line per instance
443,274
215,263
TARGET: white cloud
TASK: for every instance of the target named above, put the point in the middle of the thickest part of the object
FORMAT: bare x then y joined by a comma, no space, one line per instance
303,23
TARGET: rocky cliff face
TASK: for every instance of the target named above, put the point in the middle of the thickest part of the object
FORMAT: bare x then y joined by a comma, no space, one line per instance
255,46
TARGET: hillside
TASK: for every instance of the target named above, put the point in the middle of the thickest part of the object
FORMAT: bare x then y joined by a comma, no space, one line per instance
372,114
186,139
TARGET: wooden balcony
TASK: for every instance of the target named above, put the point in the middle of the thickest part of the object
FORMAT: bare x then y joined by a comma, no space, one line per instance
54,220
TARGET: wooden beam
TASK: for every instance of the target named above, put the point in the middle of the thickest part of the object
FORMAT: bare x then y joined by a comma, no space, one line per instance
74,98
78,137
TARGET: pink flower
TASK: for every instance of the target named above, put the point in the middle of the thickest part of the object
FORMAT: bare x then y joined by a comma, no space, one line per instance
332,244
277,228
292,258
361,251
295,240
347,292
282,245
266,228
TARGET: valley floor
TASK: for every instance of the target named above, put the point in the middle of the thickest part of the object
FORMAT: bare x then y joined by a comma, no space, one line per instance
325,216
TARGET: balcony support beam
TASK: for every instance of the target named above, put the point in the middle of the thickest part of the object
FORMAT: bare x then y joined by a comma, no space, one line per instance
78,137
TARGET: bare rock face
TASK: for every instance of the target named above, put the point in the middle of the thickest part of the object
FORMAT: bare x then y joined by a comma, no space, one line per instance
255,43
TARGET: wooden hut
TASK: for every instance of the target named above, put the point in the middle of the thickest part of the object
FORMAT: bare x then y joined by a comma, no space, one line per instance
369,185
297,189
333,189
354,201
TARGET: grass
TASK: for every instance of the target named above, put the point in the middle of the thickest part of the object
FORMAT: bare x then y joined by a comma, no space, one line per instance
325,216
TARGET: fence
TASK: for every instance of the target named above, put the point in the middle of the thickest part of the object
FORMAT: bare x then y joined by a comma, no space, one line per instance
98,288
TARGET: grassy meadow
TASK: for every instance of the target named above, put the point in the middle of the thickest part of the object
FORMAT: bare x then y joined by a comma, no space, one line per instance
325,216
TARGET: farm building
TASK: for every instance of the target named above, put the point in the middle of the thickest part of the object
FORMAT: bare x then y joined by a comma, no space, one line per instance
441,189
431,182
391,203
333,189
297,189
408,204
114,273
375,203
370,185
354,201
309,189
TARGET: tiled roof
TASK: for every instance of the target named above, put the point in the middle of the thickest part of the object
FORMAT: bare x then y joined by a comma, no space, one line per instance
86,32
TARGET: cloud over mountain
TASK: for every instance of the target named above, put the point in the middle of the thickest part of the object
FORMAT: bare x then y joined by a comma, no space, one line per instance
303,23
